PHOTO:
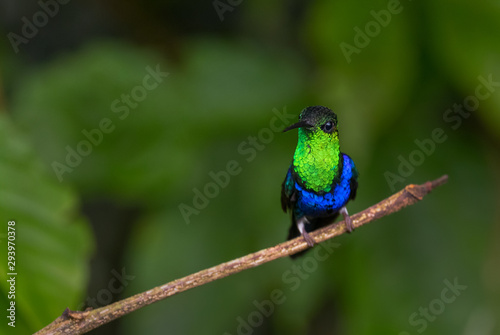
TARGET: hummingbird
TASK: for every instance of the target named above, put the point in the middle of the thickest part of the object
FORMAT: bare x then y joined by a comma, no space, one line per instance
320,180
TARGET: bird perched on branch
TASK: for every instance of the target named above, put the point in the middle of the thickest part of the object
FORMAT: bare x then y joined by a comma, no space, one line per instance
321,180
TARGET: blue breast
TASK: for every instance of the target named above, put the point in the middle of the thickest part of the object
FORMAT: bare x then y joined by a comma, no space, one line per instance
312,204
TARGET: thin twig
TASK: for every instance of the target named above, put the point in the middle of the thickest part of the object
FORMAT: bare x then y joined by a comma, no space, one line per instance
74,322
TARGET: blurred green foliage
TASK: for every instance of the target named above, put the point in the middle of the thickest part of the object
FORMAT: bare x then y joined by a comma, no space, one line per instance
50,241
220,93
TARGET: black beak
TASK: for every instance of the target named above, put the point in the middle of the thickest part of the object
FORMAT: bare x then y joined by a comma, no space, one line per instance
299,124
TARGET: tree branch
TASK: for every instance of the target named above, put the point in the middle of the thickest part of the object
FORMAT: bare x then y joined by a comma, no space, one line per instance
74,322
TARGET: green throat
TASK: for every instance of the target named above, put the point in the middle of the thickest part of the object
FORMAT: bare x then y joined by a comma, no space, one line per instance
316,159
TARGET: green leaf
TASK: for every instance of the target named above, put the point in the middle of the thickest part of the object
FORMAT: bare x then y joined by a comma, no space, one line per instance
219,90
52,242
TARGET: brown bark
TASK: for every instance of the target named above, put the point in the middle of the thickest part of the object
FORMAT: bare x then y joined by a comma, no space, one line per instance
73,322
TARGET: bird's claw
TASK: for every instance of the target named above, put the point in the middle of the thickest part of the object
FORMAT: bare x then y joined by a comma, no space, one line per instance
309,240
348,221
348,224
301,226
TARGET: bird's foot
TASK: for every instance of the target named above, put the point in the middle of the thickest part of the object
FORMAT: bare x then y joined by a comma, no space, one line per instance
309,240
347,219
300,225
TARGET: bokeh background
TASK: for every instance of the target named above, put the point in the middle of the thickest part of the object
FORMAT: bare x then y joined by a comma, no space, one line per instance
110,224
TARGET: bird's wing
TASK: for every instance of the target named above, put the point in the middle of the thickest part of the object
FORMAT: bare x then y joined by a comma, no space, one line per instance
354,187
288,191
354,178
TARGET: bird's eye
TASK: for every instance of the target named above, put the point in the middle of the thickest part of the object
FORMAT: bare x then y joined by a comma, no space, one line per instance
328,127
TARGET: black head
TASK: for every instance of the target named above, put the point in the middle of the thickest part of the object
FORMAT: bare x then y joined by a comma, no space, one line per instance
316,117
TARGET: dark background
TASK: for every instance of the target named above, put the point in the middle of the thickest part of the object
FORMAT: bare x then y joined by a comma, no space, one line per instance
415,84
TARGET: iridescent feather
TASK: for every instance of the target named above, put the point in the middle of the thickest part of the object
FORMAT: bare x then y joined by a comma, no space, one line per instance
321,180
